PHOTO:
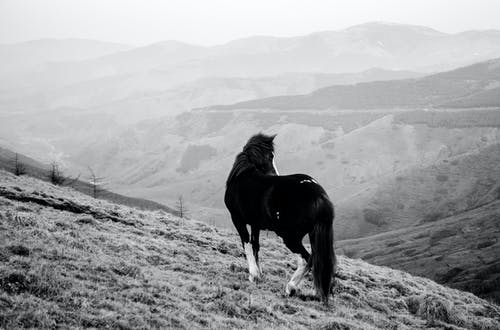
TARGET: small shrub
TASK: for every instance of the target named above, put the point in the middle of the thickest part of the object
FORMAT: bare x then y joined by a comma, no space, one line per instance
88,220
432,217
350,253
421,235
23,208
55,174
336,325
14,283
398,286
375,217
234,268
19,250
44,282
123,269
371,255
432,309
485,244
141,297
441,234
5,202
285,309
23,220
449,275
393,243
227,308
411,252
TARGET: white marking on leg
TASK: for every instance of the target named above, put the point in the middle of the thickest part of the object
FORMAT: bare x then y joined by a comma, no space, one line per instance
297,277
253,268
274,166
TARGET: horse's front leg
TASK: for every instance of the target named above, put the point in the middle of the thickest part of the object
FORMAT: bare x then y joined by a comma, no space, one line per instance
254,239
249,249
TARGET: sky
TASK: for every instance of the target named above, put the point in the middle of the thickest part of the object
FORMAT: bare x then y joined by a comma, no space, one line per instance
209,22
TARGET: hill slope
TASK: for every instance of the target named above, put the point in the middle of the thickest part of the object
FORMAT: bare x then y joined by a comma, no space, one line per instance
460,251
38,170
112,266
474,85
456,182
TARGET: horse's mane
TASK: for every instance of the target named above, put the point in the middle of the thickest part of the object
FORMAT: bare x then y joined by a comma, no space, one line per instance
256,147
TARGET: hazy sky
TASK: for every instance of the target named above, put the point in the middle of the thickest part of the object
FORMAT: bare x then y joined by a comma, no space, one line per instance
210,22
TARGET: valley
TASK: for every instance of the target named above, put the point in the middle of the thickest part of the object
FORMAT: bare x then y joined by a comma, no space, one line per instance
460,251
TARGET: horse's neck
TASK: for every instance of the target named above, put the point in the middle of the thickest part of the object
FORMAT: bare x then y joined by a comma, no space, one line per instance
241,165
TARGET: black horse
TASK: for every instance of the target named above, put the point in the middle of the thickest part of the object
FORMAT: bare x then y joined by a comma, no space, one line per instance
290,205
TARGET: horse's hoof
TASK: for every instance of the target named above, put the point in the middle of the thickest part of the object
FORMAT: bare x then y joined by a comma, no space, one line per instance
253,278
290,289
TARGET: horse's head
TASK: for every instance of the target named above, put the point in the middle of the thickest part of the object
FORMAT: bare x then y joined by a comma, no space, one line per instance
260,152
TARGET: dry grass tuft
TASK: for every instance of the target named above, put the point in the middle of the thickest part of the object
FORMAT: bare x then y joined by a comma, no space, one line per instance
432,308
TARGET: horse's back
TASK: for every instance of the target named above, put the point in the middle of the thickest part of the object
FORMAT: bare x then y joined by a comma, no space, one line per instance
299,186
298,193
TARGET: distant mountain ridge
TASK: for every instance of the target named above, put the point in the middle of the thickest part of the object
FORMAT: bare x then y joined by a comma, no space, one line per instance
471,86
388,46
32,55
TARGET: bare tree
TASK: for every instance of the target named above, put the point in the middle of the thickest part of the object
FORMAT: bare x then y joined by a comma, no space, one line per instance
181,206
55,174
19,168
95,182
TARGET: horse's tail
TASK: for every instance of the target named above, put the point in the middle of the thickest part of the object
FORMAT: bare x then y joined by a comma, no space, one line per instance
323,255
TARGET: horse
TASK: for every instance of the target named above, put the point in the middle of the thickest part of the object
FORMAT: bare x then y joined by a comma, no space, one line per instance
290,205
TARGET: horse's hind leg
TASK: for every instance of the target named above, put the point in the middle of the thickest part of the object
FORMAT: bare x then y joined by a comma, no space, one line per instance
253,268
303,265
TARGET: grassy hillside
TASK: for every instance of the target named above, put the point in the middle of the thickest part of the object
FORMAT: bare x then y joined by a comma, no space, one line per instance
451,186
459,88
39,170
72,261
460,251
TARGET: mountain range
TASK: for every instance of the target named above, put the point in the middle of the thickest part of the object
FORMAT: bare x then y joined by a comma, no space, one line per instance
477,85
83,74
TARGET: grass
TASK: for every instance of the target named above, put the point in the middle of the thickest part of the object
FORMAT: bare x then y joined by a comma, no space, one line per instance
154,270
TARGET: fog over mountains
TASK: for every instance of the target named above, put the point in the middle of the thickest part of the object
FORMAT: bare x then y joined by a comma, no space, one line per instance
82,73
